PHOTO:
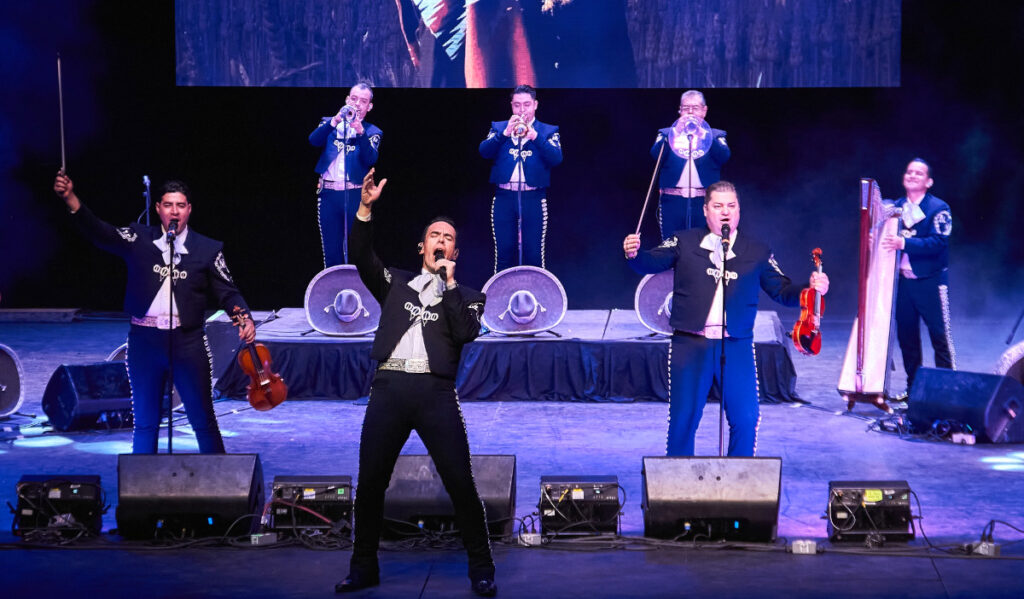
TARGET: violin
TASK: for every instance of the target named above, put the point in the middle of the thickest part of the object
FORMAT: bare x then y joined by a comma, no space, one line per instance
266,389
806,333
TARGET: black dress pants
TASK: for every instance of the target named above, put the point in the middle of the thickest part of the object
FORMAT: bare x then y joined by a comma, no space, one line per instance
400,403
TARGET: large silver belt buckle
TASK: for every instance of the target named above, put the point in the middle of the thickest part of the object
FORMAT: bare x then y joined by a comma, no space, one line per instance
415,366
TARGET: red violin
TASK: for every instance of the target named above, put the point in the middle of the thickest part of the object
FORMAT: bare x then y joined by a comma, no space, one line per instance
807,330
266,389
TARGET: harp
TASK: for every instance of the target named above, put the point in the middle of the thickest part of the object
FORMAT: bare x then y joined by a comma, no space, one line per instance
865,373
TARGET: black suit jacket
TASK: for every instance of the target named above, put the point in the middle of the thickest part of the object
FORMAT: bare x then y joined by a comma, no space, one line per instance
202,271
447,326
694,281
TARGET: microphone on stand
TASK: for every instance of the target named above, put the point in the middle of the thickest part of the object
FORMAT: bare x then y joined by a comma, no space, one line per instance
172,230
725,239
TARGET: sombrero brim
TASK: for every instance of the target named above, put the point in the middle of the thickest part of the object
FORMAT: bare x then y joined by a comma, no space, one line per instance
649,300
542,284
319,302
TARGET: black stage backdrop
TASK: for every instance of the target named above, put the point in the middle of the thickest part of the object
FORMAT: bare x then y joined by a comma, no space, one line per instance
797,158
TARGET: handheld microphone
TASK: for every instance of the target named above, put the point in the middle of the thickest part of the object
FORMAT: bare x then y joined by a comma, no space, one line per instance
172,229
725,239
443,271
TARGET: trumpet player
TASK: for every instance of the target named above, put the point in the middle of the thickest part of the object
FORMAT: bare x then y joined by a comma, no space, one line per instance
524,151
692,155
349,148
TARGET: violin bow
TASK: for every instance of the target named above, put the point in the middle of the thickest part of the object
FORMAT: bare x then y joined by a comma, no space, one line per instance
654,175
60,100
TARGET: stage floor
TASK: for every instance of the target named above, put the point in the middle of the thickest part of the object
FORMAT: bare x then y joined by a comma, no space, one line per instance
960,488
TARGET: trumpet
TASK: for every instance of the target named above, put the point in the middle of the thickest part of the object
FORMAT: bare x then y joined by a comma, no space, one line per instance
692,125
690,135
520,129
348,113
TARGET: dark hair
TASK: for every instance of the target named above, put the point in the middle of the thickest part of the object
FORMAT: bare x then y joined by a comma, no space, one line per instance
927,166
525,89
719,186
363,85
438,219
173,186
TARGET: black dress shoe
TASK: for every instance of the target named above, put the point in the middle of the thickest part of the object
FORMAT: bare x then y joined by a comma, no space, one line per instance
356,582
485,587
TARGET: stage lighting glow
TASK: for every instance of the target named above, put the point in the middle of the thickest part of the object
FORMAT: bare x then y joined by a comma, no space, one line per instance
1001,460
263,421
1011,462
188,443
47,441
105,447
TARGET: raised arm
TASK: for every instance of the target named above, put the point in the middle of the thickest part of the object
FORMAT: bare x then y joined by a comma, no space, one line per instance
101,233
360,243
653,260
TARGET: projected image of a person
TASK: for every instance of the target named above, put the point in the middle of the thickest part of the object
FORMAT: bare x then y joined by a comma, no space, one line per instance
685,177
349,148
446,22
200,271
923,288
524,151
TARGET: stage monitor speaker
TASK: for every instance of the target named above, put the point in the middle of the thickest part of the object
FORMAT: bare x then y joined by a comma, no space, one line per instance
988,403
187,494
89,396
330,497
416,498
121,355
12,394
734,499
70,505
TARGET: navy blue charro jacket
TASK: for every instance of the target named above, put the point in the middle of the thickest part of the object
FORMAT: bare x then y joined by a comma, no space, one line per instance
694,279
201,273
539,155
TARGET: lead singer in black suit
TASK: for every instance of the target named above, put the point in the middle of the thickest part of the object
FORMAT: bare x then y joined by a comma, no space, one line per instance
426,318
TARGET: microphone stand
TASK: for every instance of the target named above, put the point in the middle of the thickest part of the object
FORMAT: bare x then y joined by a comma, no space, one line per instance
689,183
171,238
344,201
519,196
721,362
146,198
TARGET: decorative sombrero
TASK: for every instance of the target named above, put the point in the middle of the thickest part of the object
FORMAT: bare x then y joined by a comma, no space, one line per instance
653,302
337,303
523,300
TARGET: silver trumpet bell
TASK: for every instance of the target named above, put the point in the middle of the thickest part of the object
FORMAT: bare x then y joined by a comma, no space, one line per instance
521,128
348,113
690,135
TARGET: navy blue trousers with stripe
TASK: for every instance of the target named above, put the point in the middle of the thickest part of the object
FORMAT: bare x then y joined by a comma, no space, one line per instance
148,366
335,210
694,365
505,228
928,300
